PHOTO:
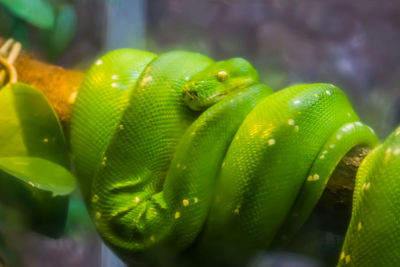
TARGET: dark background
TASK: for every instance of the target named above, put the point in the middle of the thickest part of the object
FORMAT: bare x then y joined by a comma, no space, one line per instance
352,44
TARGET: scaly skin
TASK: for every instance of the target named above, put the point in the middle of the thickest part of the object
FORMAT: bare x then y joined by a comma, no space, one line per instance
372,238
195,150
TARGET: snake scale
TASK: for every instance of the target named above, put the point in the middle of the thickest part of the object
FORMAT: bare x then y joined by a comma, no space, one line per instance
176,148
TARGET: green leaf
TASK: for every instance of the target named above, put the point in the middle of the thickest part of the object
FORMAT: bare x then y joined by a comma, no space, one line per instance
35,12
39,173
20,33
60,36
29,126
33,151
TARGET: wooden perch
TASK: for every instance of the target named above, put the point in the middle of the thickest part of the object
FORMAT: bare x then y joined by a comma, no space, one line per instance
61,85
58,84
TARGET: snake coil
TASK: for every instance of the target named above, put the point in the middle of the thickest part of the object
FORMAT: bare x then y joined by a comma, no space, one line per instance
176,149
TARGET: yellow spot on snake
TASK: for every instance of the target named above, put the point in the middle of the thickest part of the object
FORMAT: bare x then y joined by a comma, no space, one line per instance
322,157
196,200
95,198
397,151
266,132
296,128
314,177
297,101
114,85
255,129
98,215
236,211
72,97
332,146
291,122
177,215
349,114
342,255
152,238
347,259
397,132
185,202
338,136
146,80
271,142
31,184
359,226
99,62
114,77
367,186
121,127
104,162
328,92
46,140
137,199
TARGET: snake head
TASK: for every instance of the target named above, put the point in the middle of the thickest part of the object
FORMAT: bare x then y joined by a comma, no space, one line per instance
214,83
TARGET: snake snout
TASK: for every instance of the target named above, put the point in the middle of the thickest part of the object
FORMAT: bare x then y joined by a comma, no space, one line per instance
189,94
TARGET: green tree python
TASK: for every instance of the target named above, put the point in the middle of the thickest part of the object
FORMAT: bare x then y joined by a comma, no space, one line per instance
175,149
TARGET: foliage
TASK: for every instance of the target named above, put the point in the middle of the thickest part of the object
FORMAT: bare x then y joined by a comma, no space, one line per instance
56,21
34,163
60,35
42,17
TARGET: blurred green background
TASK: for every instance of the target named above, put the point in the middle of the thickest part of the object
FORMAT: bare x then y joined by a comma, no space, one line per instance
352,44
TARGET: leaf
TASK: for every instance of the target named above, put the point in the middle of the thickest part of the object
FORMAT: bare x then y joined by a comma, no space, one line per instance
33,151
29,126
20,33
60,36
39,173
36,12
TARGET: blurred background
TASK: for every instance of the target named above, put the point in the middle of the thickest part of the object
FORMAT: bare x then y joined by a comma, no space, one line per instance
352,44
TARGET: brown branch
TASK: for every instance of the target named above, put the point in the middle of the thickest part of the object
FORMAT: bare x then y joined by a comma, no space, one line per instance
60,85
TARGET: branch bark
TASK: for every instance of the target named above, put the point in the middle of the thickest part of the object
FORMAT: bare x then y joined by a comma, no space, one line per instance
61,85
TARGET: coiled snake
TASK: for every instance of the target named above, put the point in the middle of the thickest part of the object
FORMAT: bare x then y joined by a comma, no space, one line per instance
175,148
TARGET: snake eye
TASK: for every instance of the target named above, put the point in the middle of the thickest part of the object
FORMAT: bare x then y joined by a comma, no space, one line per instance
222,76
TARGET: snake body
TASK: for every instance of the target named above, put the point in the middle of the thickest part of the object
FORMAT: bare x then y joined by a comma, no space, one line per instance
177,148
372,238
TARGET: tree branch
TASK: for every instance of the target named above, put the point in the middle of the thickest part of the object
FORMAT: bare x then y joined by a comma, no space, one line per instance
58,84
